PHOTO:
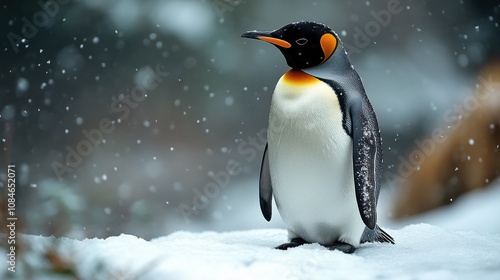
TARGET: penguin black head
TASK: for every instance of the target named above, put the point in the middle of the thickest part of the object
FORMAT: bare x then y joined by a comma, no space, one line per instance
303,44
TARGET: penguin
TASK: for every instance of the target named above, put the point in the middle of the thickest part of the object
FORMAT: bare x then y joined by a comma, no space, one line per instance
323,159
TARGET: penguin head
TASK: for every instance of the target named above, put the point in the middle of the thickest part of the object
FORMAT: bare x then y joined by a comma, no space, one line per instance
303,44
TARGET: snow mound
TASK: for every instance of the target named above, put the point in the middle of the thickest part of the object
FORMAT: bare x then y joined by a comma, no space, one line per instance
421,252
472,211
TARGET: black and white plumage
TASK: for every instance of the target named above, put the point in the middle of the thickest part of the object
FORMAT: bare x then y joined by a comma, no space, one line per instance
323,160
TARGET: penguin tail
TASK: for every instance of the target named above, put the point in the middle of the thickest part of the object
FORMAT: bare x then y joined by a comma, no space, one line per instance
376,235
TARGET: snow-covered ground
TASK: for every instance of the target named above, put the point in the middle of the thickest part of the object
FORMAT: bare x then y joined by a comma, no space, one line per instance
422,252
463,242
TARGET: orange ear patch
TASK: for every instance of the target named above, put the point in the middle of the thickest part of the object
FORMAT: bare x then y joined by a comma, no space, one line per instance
298,77
328,45
275,41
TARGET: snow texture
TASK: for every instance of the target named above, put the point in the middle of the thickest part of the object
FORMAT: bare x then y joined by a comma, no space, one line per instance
421,252
463,242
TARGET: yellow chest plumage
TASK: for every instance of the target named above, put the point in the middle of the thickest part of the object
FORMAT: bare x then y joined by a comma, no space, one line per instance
305,91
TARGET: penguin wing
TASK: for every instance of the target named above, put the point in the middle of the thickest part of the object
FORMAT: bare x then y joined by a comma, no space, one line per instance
265,187
360,123
367,159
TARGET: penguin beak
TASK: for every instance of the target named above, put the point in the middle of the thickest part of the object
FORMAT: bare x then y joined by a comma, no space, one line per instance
267,37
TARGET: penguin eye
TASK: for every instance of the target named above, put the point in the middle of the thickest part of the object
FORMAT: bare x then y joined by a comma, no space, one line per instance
301,41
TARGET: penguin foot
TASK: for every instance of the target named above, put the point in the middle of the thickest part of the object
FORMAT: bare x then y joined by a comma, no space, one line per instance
295,242
343,247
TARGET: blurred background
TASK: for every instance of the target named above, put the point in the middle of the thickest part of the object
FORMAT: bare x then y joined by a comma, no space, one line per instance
147,117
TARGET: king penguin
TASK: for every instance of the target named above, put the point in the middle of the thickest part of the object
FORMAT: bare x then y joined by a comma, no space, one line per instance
323,158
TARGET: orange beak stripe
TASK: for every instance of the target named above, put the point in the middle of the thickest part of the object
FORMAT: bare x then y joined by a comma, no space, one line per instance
328,45
275,41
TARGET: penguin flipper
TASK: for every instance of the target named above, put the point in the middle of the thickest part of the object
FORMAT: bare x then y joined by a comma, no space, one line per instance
367,159
265,187
376,235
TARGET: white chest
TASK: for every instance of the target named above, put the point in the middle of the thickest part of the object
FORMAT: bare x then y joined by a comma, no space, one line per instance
310,157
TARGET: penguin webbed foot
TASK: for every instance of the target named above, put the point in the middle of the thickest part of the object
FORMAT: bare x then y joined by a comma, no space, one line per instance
343,247
339,246
295,242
